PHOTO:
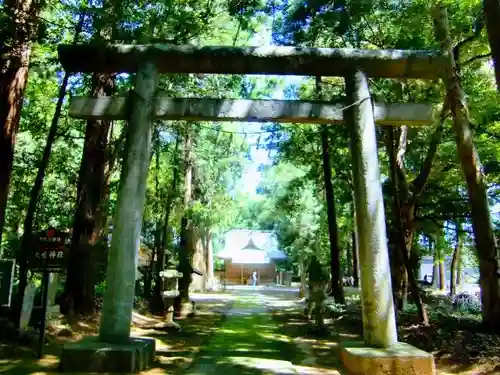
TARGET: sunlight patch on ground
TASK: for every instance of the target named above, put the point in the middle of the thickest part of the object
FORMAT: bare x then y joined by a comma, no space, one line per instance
232,331
215,296
326,345
267,366
305,370
274,337
349,336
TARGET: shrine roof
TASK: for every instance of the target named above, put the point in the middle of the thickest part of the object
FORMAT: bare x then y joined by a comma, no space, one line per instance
251,247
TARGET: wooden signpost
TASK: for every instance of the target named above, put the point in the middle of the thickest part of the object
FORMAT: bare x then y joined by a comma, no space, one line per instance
49,256
50,251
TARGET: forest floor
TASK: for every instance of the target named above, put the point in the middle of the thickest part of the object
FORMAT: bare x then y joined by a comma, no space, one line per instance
458,341
265,332
175,350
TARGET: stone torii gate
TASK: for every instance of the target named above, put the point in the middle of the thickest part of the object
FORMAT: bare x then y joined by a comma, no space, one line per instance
380,353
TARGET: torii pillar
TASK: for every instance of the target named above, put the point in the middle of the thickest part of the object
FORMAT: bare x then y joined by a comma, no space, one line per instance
114,350
380,353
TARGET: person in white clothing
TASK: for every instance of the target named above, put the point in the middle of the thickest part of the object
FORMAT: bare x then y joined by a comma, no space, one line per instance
254,278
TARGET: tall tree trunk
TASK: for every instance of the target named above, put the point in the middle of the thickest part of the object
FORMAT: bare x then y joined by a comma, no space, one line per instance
210,260
492,15
440,251
354,235
87,238
442,275
403,253
486,245
147,276
115,146
435,266
37,187
435,274
415,258
87,230
186,242
157,301
455,261
337,290
459,273
398,270
355,267
199,260
17,36
348,260
302,271
404,204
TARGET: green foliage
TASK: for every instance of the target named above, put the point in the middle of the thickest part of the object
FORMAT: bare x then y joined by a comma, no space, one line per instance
290,198
316,270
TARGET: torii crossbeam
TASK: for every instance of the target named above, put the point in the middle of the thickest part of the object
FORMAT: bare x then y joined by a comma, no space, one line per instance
360,114
284,111
252,60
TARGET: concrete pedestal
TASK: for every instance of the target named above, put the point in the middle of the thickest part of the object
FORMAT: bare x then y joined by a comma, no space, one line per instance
91,355
398,359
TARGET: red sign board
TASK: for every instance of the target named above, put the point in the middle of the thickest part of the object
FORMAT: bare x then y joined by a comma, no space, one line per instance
50,251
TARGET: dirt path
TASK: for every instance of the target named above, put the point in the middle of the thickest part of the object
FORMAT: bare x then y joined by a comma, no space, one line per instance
251,342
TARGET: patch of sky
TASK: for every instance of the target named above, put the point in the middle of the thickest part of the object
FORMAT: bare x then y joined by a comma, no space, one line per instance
262,150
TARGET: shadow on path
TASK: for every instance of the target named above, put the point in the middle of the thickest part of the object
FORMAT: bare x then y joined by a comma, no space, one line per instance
250,342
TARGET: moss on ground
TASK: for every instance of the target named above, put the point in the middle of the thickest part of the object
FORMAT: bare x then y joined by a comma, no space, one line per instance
246,344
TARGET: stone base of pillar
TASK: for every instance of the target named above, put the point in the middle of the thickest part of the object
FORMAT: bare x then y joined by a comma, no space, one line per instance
91,355
399,359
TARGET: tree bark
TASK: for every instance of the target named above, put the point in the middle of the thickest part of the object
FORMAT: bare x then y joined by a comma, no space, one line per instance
492,15
337,290
87,243
210,260
355,267
435,266
442,276
396,148
37,187
347,269
186,242
459,274
157,300
199,260
415,259
403,256
455,261
148,277
17,37
484,236
87,228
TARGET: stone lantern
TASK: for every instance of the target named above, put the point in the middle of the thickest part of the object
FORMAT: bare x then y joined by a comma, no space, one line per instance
170,291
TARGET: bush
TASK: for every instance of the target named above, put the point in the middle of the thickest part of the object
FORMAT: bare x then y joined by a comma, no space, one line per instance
466,302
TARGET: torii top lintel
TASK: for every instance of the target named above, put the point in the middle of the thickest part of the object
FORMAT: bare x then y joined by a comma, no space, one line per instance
87,58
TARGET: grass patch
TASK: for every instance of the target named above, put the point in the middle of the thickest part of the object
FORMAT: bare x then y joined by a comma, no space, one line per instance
246,344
